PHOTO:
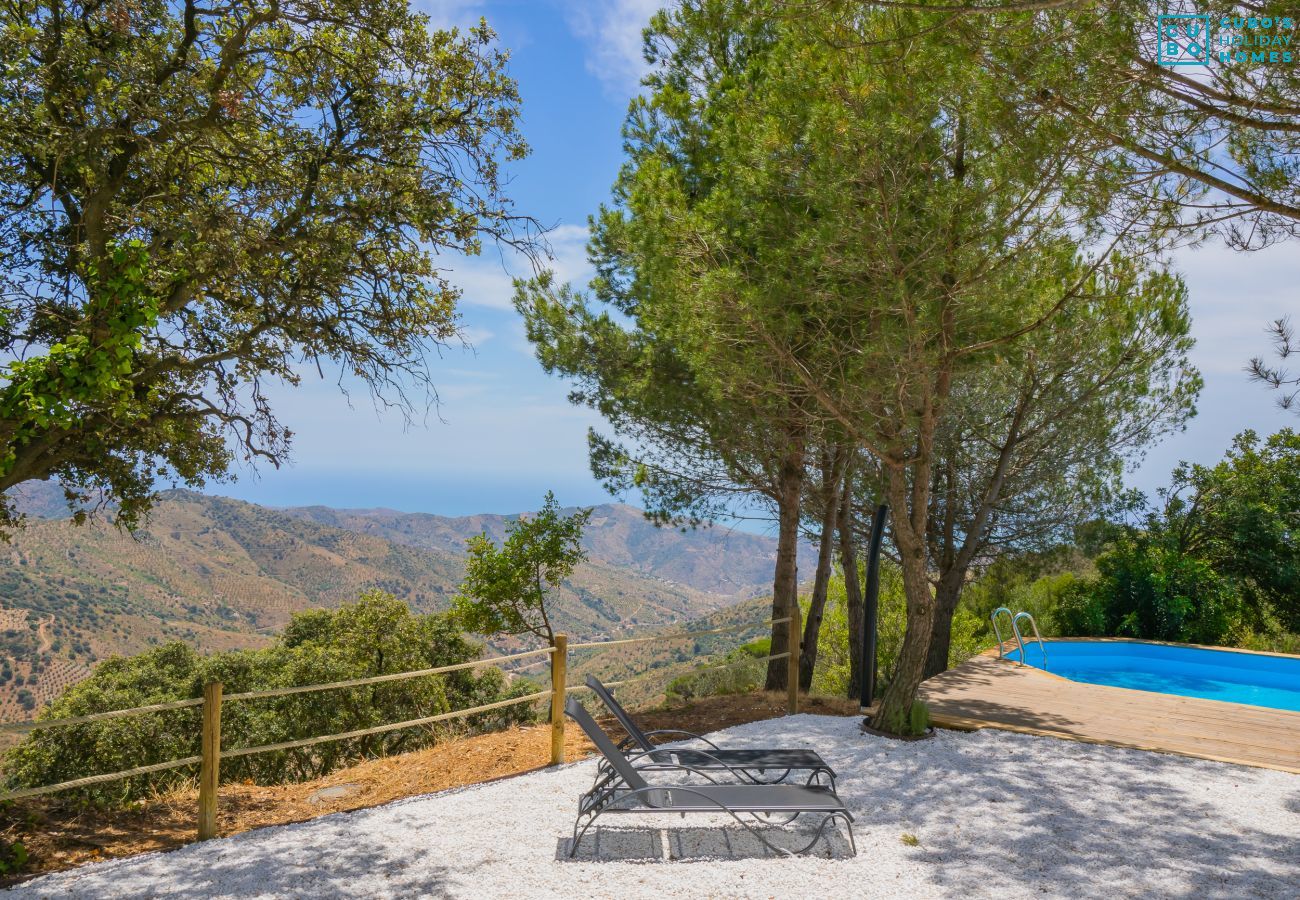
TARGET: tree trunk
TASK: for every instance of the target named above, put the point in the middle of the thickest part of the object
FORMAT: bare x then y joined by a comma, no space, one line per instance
785,580
821,582
852,587
945,605
909,539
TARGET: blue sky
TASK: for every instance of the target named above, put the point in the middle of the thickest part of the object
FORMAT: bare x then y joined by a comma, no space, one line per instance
504,433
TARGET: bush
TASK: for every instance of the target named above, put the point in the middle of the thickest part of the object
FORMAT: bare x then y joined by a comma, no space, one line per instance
1039,584
13,857
831,677
913,722
376,635
1146,590
710,681
1082,611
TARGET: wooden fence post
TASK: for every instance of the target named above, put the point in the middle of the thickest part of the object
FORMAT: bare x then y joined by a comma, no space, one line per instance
559,672
792,675
210,767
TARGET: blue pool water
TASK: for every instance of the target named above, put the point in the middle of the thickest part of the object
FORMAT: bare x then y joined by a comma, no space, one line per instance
1252,678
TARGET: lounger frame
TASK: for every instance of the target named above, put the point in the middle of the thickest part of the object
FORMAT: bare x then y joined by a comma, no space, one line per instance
622,789
716,759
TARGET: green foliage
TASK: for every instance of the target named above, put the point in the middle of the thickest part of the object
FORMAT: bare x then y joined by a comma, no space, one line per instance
13,857
376,635
969,637
739,678
1166,127
1144,590
919,718
505,589
1242,517
197,199
911,722
1217,564
87,369
1038,583
831,676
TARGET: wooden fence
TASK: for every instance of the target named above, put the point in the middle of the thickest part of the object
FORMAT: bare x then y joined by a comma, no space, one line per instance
213,699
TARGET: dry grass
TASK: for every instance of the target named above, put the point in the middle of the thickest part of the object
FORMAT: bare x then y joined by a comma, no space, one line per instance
59,838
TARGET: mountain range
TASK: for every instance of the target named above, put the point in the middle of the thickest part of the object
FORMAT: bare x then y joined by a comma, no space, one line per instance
224,574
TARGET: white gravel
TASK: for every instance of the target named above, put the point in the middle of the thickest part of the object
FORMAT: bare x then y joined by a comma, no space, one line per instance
994,813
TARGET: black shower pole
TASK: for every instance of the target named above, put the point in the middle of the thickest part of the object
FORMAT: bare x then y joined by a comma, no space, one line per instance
871,607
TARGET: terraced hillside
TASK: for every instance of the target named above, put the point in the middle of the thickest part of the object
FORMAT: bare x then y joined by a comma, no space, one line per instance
651,666
221,574
717,560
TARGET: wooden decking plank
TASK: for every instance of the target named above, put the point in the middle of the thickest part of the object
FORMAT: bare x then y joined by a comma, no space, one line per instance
986,692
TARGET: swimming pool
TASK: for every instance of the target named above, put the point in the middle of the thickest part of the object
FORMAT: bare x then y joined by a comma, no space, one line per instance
1253,678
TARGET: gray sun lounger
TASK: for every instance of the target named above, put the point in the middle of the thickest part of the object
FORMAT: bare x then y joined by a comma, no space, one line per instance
624,790
750,766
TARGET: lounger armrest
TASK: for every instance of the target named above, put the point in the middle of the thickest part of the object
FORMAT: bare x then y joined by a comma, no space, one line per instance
612,777
650,754
690,734
684,768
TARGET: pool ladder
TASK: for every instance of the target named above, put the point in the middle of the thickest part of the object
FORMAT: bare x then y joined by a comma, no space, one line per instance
1015,630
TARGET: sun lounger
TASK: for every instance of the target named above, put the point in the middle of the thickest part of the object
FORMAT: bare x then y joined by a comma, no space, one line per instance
752,766
624,790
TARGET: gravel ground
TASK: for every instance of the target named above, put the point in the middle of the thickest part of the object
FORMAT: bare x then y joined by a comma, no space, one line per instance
993,813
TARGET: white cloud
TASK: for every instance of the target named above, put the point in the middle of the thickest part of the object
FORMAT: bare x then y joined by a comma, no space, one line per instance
475,336
487,280
612,31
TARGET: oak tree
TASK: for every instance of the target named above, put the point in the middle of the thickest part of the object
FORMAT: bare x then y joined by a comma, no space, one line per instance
202,201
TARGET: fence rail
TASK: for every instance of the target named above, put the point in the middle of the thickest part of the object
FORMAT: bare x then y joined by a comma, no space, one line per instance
95,717
212,753
379,729
664,638
718,668
377,679
100,779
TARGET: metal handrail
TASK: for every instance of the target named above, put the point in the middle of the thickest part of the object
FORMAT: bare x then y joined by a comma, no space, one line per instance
1038,637
998,634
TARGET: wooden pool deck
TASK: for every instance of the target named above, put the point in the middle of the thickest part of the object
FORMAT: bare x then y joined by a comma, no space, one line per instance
987,692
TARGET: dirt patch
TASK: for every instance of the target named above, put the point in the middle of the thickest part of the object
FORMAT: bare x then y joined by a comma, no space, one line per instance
57,837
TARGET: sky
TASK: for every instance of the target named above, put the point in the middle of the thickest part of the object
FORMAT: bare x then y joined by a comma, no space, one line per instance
503,432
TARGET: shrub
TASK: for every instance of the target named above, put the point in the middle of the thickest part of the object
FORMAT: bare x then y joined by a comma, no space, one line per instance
831,676
1082,611
13,857
710,681
1147,590
376,635
911,722
919,718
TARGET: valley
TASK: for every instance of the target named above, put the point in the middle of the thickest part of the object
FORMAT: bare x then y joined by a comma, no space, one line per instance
223,574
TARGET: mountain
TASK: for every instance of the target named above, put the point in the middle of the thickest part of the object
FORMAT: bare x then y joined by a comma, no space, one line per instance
223,574
648,668
716,560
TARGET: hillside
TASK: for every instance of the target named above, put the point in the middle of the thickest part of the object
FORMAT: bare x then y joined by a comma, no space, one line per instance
716,560
652,665
222,574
